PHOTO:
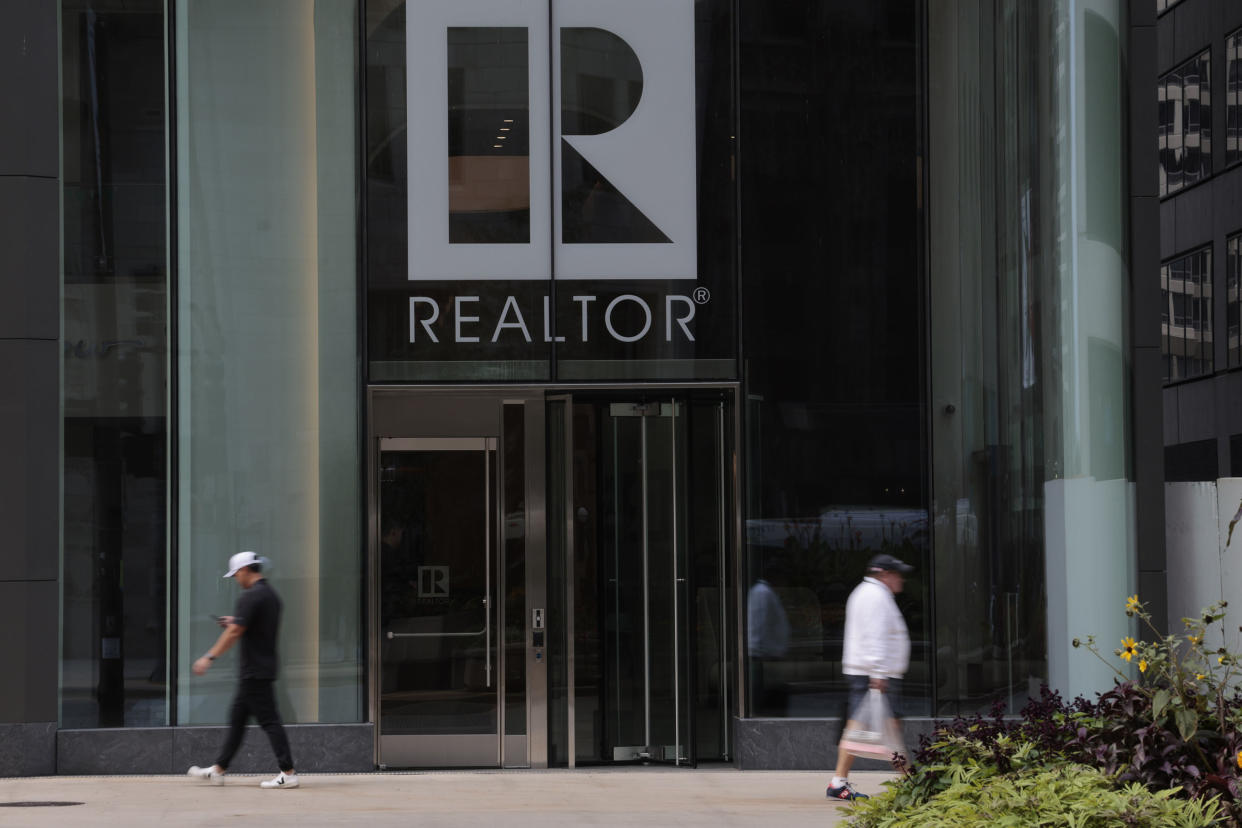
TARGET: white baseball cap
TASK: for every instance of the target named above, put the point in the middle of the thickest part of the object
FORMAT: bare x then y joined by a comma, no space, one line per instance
241,560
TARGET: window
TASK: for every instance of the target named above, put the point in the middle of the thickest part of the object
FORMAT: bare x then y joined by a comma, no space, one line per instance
1233,300
1233,97
1186,318
1185,106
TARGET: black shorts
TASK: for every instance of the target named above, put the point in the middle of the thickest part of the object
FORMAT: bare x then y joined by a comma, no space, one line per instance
858,686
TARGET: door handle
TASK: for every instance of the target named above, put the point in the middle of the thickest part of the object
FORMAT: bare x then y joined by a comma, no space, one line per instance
392,635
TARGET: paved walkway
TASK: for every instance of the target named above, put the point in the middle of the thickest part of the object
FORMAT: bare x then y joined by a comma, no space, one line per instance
639,797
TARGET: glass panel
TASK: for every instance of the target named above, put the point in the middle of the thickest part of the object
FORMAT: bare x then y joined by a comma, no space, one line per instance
114,607
1233,98
834,329
1029,368
1233,301
513,496
435,658
1187,286
488,139
268,383
1185,111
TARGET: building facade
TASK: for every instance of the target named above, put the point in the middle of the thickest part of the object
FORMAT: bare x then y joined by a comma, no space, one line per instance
537,344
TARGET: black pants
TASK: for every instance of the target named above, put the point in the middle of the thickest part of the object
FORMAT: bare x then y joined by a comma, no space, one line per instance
255,698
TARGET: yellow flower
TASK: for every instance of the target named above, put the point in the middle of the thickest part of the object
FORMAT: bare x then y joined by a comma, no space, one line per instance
1132,603
1195,639
1142,665
1240,758
1127,648
1200,676
1220,659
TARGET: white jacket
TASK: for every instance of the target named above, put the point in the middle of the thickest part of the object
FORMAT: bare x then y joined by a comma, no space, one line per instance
877,643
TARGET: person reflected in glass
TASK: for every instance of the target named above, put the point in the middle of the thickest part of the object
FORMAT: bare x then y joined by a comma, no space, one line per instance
767,631
876,651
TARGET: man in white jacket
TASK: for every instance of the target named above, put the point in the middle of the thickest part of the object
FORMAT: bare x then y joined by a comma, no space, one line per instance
876,650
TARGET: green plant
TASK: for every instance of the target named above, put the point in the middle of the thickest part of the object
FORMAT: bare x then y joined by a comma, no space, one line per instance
1069,795
1177,724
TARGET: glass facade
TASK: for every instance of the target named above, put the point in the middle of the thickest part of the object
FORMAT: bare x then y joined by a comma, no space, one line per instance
1184,101
267,443
114,600
1186,315
869,296
833,332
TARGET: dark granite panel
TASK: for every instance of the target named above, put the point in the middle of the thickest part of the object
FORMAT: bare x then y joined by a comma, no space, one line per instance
1227,201
28,749
804,744
1168,228
28,683
1170,417
1142,13
329,748
1145,272
29,475
1144,120
1164,44
114,751
1196,411
1195,220
29,93
1230,15
348,748
1149,457
1193,32
29,258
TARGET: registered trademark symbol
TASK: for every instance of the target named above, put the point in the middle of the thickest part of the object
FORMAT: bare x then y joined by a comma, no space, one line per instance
702,296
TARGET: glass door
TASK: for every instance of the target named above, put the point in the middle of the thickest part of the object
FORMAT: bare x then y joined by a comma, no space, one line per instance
640,488
644,652
439,686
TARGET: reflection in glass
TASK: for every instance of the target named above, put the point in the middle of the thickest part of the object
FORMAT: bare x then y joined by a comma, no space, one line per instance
1233,98
833,336
1184,102
114,669
488,136
435,661
1186,315
1233,301
513,496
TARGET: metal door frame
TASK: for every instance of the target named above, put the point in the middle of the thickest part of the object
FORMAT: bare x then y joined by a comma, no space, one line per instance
399,413
538,523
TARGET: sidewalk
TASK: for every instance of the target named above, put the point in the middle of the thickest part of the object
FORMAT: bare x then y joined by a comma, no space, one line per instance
639,797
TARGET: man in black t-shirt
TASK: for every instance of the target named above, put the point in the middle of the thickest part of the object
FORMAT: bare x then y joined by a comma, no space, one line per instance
256,621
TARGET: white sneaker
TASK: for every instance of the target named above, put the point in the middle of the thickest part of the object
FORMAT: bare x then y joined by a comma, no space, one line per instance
282,780
206,773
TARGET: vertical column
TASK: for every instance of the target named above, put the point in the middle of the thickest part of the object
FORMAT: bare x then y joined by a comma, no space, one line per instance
30,378
1145,298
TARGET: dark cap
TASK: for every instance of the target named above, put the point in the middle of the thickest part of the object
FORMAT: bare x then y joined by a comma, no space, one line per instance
888,563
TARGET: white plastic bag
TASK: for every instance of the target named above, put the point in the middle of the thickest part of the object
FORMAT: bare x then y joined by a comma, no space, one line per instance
872,730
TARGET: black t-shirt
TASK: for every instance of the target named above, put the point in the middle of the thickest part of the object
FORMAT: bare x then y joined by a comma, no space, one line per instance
258,610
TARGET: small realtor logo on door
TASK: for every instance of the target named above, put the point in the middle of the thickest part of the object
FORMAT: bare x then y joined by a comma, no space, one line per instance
433,582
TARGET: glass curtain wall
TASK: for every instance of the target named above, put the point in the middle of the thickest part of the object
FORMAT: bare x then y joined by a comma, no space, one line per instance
1032,501
115,600
268,381
832,338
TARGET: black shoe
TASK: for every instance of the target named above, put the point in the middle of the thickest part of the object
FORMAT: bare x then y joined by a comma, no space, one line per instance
846,792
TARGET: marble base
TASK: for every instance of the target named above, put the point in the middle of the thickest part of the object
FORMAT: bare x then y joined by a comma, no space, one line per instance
28,749
317,748
804,744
